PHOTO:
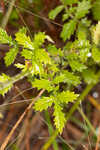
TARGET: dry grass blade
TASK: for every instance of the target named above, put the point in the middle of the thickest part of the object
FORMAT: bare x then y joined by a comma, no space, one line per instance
19,121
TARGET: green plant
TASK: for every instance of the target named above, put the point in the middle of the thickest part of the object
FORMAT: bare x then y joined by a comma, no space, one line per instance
57,71
42,70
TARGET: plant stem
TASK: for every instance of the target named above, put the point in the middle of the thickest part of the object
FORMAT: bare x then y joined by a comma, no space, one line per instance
4,144
81,98
7,15
50,128
86,119
50,141
74,107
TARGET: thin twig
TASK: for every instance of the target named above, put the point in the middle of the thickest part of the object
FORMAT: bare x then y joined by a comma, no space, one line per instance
38,16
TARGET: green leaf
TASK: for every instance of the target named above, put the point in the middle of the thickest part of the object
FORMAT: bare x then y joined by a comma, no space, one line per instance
53,13
89,76
68,77
82,47
37,67
42,56
96,54
59,117
96,34
84,54
69,2
72,56
52,50
68,30
83,44
74,62
77,66
20,66
3,79
82,9
42,84
68,46
10,56
96,9
82,31
71,78
66,97
53,68
65,16
4,38
24,40
27,53
59,78
43,103
39,39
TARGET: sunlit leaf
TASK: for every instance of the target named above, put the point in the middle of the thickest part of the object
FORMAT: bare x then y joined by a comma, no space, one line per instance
43,103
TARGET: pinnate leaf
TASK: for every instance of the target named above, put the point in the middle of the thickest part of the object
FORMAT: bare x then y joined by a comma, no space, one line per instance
96,34
68,30
77,66
55,12
65,16
37,67
67,77
27,54
4,38
20,66
24,40
39,39
84,54
3,79
89,76
96,9
59,117
42,84
68,96
10,56
96,54
43,103
42,56
82,9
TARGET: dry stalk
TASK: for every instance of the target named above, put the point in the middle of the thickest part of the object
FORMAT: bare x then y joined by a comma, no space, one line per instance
19,121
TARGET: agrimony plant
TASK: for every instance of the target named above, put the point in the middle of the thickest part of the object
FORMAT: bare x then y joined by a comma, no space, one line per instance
57,70
42,70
